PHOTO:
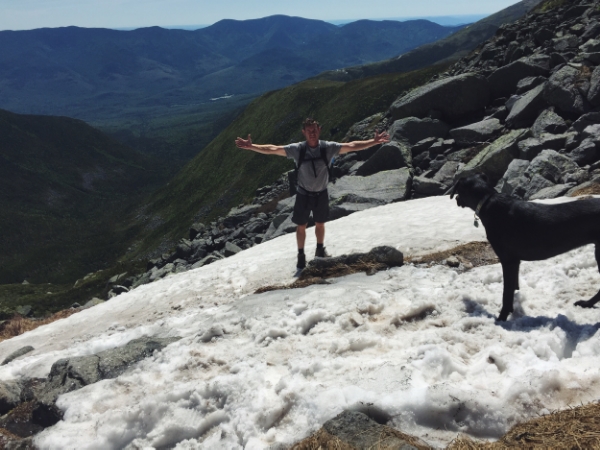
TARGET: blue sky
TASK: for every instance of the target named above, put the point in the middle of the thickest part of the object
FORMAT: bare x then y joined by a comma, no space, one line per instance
28,14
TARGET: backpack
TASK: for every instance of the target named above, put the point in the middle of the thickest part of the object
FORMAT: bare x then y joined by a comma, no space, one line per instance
293,177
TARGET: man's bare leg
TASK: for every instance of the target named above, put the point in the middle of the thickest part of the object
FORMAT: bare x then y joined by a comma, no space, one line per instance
301,235
320,232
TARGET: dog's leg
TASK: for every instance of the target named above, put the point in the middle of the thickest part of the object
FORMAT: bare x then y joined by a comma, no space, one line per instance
596,298
510,273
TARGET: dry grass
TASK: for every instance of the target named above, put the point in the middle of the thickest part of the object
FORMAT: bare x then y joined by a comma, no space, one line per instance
473,254
593,189
574,428
322,440
18,325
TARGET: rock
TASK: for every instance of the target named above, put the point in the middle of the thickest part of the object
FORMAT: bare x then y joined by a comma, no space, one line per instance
513,181
591,46
528,83
117,278
504,81
548,122
24,310
10,395
446,174
184,249
381,188
593,95
527,108
413,129
494,159
556,168
561,91
231,249
426,187
422,146
477,132
542,35
454,97
565,43
357,430
586,153
390,156
93,302
240,215
117,290
197,229
592,132
551,192
585,121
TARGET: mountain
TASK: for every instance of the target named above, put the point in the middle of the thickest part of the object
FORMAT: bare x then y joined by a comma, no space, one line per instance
101,75
66,194
448,49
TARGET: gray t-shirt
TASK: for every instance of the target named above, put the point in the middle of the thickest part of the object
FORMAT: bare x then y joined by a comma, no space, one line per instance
313,175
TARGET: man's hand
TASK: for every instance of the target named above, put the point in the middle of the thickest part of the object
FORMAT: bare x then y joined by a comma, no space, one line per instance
244,143
381,137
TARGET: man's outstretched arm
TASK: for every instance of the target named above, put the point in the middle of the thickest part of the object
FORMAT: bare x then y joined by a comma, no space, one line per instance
356,146
265,149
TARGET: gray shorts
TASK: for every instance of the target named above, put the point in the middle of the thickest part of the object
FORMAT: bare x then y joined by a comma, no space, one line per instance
318,204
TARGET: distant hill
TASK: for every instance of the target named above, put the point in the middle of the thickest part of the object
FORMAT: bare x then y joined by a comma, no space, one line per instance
67,192
449,49
101,75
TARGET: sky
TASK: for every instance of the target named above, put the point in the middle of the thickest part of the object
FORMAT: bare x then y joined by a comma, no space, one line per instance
258,371
30,14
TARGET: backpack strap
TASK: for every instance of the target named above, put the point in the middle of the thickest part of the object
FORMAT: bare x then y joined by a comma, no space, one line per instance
323,149
301,158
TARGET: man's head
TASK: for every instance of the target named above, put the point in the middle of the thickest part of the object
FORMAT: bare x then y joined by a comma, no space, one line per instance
311,131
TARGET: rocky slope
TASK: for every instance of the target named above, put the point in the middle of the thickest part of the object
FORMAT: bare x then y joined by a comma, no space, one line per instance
523,108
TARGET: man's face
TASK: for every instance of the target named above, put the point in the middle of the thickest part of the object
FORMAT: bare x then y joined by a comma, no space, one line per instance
311,133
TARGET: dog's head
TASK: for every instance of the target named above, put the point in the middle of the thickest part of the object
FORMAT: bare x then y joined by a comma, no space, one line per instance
471,190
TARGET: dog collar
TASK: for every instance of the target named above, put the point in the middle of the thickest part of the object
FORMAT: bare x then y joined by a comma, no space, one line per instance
481,203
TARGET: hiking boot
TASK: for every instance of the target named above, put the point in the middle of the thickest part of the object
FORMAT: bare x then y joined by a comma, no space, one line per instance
322,253
301,261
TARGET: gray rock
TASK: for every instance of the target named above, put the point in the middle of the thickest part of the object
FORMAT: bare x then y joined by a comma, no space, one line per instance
453,97
10,396
494,159
383,187
117,290
593,95
231,249
585,121
528,83
586,153
240,215
565,43
513,178
551,192
536,184
358,431
591,46
477,132
592,132
504,81
427,187
556,168
561,91
285,227
93,302
413,129
196,230
17,354
390,156
24,310
349,206
531,147
527,108
447,173
423,145
548,122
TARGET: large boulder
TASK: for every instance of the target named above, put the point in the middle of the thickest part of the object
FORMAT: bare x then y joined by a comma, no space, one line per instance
390,156
240,215
477,132
453,97
561,91
548,122
494,159
427,187
513,181
527,108
413,129
504,81
381,188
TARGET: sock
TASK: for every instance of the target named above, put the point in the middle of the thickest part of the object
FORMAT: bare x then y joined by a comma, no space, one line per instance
319,246
300,251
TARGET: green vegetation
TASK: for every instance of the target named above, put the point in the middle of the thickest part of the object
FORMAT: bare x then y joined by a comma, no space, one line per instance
222,176
45,299
549,5
68,198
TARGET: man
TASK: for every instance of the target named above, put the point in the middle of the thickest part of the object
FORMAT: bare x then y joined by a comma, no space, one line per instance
312,179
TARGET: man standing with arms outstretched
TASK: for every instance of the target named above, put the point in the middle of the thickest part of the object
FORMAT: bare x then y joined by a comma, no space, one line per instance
312,159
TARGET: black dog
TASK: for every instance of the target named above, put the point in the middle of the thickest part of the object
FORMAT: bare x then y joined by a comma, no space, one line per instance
518,230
